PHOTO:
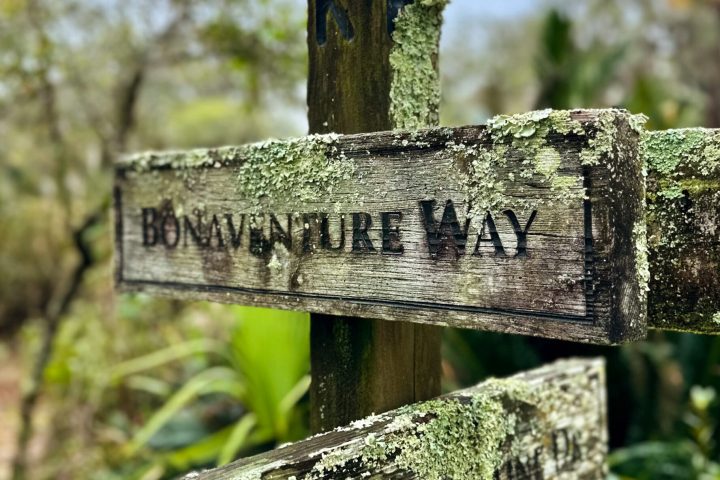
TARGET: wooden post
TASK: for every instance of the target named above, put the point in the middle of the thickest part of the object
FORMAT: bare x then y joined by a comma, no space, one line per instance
357,84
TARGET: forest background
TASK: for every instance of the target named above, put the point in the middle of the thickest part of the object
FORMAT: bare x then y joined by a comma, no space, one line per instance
105,386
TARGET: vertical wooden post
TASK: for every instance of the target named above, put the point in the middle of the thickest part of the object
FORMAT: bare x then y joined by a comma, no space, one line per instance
373,67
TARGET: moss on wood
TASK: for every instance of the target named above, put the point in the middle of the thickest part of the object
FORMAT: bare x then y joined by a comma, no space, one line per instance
684,228
415,83
471,434
293,172
529,137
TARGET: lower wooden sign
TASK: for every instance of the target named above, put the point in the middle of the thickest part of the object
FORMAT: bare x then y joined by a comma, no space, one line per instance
545,423
531,224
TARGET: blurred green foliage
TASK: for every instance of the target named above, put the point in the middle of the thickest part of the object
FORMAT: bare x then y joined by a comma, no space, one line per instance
148,388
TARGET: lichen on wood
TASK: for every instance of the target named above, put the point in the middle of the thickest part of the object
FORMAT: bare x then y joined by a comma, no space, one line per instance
546,422
684,228
529,136
293,171
525,170
415,83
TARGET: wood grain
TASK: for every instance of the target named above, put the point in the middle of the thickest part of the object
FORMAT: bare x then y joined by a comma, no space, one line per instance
546,423
575,277
684,229
361,366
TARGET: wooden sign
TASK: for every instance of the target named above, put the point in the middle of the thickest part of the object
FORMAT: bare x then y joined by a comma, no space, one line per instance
684,229
529,225
545,423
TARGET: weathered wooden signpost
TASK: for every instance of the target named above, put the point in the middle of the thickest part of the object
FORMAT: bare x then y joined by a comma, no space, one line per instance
532,224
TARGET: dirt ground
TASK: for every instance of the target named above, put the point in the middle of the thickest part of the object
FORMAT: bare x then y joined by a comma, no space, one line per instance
9,402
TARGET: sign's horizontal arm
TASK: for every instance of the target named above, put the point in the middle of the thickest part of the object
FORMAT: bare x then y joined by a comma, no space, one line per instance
684,229
532,425
527,225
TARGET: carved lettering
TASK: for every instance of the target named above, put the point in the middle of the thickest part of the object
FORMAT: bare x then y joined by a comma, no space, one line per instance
447,233
489,235
341,19
316,232
261,245
216,231
391,233
235,235
566,448
325,237
564,454
446,236
520,233
525,468
311,232
170,220
361,240
278,234
149,229
194,231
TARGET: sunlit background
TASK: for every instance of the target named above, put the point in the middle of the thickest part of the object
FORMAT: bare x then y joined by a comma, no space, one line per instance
140,388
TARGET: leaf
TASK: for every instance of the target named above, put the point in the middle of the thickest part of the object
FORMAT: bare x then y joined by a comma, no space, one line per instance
238,437
148,384
213,380
271,350
202,452
166,355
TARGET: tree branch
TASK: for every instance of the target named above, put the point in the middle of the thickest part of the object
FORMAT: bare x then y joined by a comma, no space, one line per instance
53,316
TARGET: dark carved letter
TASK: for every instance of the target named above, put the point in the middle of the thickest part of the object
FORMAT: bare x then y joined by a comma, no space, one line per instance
391,233
149,215
278,235
361,240
317,231
195,231
169,215
325,240
235,235
310,231
494,239
259,245
341,18
214,228
447,235
520,233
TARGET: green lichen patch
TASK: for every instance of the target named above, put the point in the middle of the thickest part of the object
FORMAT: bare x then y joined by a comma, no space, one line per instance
286,172
683,214
293,172
680,162
673,152
415,83
534,139
533,125
552,418
473,433
466,435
